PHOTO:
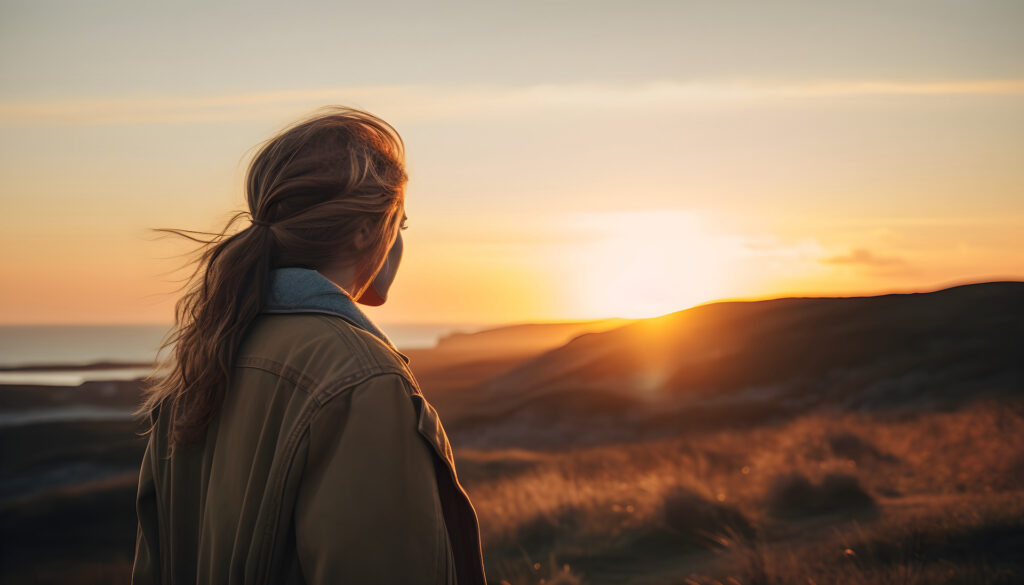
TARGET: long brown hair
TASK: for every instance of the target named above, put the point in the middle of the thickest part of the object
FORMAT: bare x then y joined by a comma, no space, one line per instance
316,183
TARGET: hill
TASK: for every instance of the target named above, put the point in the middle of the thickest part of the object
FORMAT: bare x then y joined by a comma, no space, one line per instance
460,361
733,363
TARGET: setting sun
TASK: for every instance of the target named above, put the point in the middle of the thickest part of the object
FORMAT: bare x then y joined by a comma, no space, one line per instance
638,264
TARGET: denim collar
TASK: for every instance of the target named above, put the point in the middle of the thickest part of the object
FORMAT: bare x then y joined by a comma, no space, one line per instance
294,289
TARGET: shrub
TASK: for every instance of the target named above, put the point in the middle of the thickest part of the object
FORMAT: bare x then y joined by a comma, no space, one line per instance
792,494
699,521
543,531
846,445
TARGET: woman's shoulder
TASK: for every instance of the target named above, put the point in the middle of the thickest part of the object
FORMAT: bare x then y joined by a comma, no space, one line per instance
323,349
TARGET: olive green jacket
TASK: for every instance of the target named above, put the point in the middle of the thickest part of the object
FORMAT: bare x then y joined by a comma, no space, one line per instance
325,464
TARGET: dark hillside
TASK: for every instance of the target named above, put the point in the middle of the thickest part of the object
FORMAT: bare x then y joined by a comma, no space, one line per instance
739,362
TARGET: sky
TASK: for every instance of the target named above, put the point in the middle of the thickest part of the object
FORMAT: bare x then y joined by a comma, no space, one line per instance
567,160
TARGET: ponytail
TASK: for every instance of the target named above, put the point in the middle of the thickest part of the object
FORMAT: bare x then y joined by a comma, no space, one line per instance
212,316
310,189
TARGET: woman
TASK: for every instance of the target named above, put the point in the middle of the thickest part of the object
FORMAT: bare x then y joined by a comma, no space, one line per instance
289,442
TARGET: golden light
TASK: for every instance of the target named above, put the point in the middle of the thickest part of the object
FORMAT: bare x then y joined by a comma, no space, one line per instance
639,264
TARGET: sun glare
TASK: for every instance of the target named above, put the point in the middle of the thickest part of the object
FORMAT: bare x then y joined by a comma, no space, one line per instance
639,264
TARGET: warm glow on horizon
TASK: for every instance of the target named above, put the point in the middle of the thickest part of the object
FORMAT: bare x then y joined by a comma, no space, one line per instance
624,163
639,264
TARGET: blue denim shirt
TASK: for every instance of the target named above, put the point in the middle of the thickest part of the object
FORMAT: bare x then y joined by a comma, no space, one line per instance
294,289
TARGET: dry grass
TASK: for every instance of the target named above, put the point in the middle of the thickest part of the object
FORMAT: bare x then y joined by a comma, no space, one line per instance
838,500
942,539
678,507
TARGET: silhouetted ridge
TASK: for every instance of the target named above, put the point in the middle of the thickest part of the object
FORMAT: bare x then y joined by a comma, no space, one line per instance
779,356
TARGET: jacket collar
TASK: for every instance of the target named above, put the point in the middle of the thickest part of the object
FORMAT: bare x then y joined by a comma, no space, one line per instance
294,289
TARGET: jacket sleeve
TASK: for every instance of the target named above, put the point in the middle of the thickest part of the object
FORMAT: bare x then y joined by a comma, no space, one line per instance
146,565
368,510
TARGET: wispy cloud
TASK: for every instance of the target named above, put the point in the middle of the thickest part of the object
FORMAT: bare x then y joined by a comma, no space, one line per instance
425,102
865,257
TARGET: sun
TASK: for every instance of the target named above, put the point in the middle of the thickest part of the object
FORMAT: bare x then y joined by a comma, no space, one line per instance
639,264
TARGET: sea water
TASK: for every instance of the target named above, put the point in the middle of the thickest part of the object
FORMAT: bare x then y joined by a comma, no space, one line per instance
63,345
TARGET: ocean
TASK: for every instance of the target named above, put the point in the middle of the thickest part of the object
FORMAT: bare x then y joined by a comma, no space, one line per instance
61,345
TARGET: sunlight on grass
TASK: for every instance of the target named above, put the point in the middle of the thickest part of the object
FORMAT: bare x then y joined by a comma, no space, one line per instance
828,491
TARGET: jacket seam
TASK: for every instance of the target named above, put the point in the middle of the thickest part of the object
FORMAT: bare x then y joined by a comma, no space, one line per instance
441,554
291,446
293,375
331,321
163,544
366,352
308,384
358,377
329,313
301,428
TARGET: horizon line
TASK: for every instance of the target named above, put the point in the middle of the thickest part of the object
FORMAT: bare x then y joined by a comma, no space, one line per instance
554,321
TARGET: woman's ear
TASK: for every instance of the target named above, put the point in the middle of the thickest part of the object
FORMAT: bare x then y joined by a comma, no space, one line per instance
362,238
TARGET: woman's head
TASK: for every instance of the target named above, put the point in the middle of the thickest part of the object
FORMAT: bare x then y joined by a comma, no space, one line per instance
332,187
327,193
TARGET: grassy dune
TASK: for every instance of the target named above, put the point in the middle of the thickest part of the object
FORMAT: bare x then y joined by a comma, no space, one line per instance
841,499
936,498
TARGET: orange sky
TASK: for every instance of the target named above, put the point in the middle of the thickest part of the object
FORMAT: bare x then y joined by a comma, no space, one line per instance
582,175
